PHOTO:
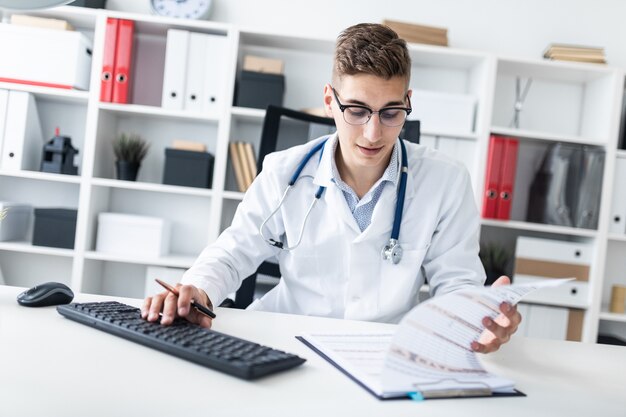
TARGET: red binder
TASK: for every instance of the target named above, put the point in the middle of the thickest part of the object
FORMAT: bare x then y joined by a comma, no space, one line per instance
492,177
507,179
123,59
108,61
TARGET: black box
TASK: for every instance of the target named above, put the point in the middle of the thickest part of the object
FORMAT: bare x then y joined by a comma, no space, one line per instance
94,4
259,89
55,227
188,168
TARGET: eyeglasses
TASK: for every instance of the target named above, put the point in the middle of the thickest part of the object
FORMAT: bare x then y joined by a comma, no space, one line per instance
355,114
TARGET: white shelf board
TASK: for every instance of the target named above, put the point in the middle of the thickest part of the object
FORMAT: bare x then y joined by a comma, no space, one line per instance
621,153
559,71
444,56
157,112
537,227
449,134
43,176
60,95
174,260
233,195
27,247
605,315
153,187
254,37
617,237
247,114
544,136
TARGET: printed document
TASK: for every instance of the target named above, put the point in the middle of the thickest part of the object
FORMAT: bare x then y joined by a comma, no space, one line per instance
429,353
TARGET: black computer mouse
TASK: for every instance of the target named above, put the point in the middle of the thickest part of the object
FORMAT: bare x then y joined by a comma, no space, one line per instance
48,294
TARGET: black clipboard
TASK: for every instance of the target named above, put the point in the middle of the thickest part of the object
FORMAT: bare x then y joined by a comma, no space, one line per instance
466,394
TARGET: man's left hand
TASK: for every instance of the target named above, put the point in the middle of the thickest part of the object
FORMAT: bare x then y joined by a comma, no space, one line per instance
500,330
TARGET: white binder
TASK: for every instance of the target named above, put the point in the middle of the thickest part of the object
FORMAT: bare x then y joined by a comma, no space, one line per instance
176,55
4,98
196,70
23,141
618,208
214,76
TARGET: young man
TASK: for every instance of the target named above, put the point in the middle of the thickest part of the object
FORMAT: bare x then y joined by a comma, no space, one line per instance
331,264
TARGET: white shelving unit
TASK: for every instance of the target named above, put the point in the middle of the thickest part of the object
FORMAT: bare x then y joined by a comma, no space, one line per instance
568,102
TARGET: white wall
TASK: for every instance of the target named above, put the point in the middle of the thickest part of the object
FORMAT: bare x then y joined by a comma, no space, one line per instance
515,28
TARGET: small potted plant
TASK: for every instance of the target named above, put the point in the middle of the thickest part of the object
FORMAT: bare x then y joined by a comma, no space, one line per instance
495,258
129,149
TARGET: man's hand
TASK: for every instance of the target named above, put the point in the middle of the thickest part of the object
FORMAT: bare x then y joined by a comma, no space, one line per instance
173,306
500,330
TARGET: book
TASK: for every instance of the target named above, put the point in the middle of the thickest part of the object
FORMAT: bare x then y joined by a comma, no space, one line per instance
245,167
428,355
40,22
563,52
234,158
419,33
250,160
188,145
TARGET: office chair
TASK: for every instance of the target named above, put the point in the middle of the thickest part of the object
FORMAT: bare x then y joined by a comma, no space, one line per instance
282,129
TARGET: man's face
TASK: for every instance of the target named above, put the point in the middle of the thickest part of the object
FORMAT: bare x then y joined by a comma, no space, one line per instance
368,145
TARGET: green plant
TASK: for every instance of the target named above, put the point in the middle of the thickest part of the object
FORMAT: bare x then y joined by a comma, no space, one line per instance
494,257
130,147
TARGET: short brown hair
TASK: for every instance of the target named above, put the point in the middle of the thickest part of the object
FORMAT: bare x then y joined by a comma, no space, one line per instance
371,48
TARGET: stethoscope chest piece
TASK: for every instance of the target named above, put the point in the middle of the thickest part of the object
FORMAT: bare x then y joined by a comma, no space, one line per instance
392,251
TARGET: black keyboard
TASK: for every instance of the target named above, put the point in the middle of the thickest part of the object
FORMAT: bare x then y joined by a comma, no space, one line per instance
229,354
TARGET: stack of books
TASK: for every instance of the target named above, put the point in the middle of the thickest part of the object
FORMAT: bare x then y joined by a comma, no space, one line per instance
419,33
244,164
578,53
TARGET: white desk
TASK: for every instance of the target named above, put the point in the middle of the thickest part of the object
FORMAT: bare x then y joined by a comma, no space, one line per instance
51,366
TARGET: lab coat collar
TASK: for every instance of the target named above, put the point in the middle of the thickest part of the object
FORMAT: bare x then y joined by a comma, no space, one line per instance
324,174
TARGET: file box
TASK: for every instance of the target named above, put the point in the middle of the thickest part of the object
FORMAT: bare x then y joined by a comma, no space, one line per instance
47,57
14,220
443,112
55,227
133,235
259,90
188,168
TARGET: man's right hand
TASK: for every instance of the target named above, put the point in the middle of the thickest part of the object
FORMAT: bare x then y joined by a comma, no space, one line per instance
172,306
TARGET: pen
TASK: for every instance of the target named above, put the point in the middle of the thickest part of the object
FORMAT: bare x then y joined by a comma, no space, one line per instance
204,310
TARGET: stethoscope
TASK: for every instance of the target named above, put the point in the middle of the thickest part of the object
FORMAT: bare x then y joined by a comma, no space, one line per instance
391,251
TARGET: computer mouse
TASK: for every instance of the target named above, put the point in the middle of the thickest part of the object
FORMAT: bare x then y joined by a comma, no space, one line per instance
47,294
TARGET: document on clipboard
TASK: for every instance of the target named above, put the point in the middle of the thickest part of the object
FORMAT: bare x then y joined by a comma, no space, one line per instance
429,354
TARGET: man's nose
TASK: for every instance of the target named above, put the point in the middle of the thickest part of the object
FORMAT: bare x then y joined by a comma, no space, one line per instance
373,129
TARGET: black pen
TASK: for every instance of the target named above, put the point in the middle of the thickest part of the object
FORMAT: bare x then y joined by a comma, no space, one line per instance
204,310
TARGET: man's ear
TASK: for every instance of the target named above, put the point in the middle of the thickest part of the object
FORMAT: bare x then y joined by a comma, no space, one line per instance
328,100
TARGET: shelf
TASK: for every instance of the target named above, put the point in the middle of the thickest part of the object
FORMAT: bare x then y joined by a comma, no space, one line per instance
544,136
605,315
27,247
156,112
247,114
177,261
158,188
449,134
43,176
621,153
537,227
617,237
49,93
561,71
233,195
288,42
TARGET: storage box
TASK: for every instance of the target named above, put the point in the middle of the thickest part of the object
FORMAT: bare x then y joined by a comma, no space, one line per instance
170,275
188,168
538,259
49,57
55,227
14,220
133,235
443,112
259,90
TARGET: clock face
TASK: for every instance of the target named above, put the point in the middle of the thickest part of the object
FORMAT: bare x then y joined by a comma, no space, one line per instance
185,9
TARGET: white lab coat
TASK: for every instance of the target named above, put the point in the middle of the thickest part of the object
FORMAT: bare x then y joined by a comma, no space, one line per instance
337,270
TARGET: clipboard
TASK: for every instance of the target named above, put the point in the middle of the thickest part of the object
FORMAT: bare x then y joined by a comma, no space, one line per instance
416,396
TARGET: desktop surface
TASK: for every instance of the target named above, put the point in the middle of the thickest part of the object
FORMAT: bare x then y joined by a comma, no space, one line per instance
52,366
